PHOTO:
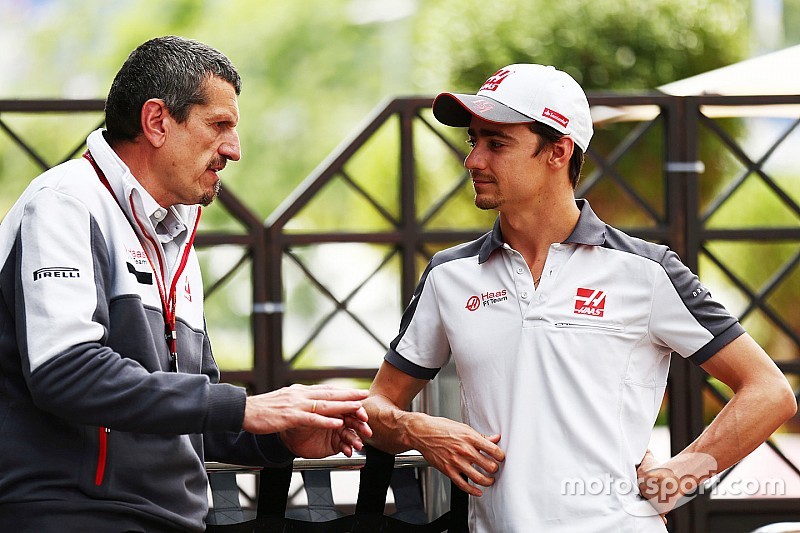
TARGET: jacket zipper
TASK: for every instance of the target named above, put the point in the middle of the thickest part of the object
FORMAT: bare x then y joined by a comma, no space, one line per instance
101,455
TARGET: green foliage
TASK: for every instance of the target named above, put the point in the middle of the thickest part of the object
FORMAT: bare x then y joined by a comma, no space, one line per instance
604,44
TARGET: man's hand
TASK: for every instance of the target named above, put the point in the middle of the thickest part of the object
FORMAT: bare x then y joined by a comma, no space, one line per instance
665,485
314,442
324,412
454,449
449,446
648,463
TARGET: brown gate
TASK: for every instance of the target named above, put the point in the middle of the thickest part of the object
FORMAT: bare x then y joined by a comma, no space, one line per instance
331,269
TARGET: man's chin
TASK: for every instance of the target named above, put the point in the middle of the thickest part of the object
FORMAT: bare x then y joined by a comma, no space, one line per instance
486,203
209,197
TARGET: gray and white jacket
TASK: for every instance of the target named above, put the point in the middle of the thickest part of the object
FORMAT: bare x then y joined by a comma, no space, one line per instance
93,422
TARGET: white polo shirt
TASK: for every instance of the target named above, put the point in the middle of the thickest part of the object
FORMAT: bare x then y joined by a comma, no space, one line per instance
571,373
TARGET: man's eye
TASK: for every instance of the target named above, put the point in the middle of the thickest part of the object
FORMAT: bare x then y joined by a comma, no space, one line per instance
470,142
495,145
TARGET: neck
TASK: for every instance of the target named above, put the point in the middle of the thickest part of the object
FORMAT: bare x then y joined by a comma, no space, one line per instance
140,163
532,231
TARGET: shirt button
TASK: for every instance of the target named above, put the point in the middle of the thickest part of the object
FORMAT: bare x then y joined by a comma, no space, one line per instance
520,270
158,215
524,295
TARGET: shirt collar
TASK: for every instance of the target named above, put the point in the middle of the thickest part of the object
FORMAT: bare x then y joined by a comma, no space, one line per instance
168,217
589,230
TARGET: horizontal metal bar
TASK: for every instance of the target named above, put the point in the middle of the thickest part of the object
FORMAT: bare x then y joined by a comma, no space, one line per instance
214,239
47,106
751,234
697,167
410,459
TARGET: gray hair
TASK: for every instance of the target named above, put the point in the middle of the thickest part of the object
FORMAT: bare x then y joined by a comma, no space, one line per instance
170,68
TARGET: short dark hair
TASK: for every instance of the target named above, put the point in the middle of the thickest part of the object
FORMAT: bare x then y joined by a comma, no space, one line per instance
550,135
171,68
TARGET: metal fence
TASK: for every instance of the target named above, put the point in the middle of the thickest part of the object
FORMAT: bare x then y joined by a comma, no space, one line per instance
690,172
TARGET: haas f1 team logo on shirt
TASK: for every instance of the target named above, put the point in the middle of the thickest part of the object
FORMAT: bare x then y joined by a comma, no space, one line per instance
486,299
590,302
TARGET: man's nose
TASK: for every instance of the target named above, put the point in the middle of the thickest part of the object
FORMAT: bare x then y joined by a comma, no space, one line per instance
230,147
475,159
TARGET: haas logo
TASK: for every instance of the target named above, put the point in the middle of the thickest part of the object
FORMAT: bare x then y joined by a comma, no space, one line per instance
495,80
590,302
486,299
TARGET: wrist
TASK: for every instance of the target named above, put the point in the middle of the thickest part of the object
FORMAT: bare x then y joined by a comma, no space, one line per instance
409,424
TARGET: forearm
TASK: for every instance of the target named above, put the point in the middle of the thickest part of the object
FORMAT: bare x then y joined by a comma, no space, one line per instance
392,427
748,419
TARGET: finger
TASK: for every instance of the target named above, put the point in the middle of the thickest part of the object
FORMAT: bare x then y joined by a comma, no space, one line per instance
330,392
462,484
488,445
360,427
334,408
477,476
351,438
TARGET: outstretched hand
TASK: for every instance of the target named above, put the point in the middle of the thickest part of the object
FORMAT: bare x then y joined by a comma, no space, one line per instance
313,421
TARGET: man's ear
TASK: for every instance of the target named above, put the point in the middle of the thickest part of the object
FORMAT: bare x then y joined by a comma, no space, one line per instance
561,152
155,116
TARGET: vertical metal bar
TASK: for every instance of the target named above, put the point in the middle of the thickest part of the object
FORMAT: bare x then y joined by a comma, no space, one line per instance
409,226
274,367
260,325
680,394
696,381
686,381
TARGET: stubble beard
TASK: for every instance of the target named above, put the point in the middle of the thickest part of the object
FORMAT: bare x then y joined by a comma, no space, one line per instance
486,203
207,198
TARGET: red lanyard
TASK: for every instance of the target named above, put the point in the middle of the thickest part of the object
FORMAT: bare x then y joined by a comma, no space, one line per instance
168,300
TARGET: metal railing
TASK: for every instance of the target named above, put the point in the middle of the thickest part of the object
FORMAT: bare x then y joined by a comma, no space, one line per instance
653,167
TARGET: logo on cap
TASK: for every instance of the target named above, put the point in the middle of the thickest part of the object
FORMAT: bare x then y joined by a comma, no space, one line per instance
495,80
555,115
482,106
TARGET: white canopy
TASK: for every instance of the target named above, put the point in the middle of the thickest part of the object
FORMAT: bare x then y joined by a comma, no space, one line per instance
775,73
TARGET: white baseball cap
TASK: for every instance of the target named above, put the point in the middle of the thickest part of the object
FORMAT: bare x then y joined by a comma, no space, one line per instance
519,94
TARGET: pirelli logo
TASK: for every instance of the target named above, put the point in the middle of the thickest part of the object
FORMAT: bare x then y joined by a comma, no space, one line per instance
590,302
56,272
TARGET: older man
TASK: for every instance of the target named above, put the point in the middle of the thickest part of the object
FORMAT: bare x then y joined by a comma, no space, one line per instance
109,395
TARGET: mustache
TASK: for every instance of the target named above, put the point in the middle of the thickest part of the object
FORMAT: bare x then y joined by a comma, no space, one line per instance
218,163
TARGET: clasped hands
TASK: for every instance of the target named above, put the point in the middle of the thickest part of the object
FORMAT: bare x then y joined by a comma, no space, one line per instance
312,421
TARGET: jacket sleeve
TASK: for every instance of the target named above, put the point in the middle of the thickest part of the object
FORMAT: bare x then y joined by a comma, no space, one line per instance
62,321
239,447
